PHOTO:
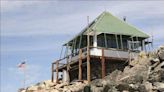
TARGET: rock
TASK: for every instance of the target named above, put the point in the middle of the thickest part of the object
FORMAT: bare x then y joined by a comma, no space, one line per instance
32,88
48,83
142,88
132,79
58,86
142,55
156,76
148,86
97,83
160,66
159,86
87,88
111,89
161,52
54,90
21,90
96,89
124,86
154,60
133,62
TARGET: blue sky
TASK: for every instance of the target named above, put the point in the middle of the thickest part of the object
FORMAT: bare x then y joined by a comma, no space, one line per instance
35,30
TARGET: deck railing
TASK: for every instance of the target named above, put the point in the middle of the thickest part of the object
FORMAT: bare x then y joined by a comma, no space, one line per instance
65,61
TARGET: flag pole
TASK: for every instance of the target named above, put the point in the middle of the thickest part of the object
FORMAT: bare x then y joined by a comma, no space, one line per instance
22,66
24,80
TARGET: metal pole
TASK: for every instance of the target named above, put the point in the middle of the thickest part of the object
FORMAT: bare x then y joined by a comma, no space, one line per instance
24,83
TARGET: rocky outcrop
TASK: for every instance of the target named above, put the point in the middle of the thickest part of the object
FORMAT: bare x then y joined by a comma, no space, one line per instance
144,74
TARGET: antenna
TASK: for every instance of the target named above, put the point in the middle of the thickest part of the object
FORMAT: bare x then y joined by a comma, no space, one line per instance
88,21
124,18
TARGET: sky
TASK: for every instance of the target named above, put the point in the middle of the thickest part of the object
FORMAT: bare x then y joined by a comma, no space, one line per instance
34,31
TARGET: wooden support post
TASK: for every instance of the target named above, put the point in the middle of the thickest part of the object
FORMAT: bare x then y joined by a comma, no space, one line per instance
80,64
103,64
88,68
52,73
57,71
88,54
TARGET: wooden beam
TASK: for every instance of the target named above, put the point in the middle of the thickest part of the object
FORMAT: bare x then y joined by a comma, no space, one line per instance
88,54
88,69
103,64
57,72
52,73
80,64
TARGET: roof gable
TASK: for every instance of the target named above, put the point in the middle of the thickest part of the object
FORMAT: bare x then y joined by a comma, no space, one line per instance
108,23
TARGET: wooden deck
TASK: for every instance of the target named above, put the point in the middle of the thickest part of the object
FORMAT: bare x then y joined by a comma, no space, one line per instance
77,58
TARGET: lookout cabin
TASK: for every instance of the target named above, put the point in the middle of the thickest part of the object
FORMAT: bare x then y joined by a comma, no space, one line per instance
106,44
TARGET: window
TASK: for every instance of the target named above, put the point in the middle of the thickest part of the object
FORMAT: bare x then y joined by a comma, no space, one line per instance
111,41
100,40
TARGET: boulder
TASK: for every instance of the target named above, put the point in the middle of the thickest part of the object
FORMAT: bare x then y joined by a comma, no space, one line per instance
156,76
125,87
161,52
58,86
148,86
32,88
159,86
132,79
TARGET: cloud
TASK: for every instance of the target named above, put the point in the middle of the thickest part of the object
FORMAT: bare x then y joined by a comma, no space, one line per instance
13,5
72,22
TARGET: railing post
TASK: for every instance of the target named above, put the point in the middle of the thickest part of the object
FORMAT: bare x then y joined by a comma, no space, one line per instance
52,72
103,64
80,64
57,71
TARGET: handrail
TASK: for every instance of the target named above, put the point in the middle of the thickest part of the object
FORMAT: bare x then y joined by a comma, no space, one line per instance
85,48
68,56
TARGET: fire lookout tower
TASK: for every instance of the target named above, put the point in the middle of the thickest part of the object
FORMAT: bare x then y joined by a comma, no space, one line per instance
106,44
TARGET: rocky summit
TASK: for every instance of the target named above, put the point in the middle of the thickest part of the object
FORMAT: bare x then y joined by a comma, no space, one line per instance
143,74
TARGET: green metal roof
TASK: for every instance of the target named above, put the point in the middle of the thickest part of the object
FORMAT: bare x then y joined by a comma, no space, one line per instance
107,23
